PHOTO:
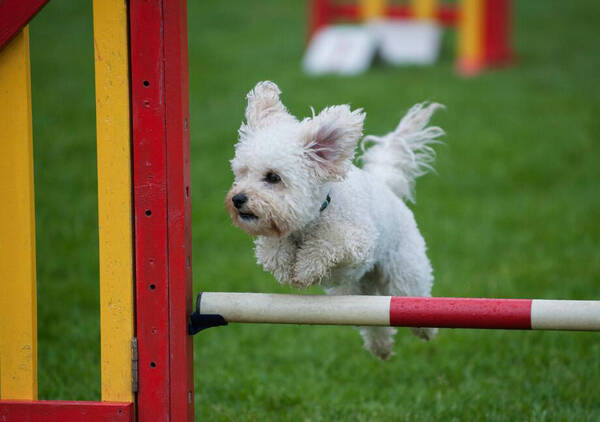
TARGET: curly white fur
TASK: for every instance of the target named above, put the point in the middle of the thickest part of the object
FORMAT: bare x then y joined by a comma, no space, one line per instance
401,156
366,241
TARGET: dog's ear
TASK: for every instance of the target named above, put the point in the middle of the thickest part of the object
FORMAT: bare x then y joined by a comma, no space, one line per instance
331,138
264,104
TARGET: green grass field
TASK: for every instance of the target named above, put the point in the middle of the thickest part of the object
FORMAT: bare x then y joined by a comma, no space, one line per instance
512,212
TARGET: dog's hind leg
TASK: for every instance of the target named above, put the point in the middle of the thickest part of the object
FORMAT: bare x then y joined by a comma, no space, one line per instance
377,340
408,274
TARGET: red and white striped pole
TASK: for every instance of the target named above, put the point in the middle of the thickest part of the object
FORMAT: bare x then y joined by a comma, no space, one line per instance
510,314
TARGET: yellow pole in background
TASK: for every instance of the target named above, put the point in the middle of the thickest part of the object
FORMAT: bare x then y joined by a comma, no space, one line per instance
470,36
18,301
372,9
424,9
114,198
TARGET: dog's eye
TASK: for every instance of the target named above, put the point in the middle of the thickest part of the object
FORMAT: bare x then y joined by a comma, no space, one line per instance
272,177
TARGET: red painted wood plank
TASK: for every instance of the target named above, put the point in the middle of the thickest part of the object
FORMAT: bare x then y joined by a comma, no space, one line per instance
179,209
320,14
14,15
496,35
150,207
444,312
401,11
350,12
160,115
445,14
62,411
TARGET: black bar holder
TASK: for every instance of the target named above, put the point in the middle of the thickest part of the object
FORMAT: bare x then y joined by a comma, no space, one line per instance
199,322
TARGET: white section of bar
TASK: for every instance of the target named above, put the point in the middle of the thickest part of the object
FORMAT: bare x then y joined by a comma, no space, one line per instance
581,315
298,309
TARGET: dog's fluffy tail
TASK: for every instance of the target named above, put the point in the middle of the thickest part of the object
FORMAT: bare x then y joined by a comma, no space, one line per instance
401,156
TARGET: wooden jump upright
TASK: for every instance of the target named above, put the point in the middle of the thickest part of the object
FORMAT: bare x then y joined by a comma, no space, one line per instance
161,189
18,301
143,209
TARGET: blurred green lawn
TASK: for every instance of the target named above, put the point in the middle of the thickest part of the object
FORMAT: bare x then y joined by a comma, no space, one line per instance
512,212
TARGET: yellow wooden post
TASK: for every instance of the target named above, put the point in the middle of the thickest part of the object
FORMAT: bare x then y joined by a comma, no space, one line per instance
424,9
114,198
470,36
18,302
372,9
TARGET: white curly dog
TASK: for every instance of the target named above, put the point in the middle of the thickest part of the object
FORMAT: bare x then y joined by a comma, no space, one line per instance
321,220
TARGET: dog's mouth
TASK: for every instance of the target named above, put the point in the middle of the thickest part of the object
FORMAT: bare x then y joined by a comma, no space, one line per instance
247,216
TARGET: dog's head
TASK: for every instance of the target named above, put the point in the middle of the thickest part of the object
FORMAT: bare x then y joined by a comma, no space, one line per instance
283,167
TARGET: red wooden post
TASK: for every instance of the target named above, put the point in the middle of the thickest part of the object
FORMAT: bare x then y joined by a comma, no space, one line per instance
496,36
14,15
326,12
344,11
179,210
160,127
319,15
59,411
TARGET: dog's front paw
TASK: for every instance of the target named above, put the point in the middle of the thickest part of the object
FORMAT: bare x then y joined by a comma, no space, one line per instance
284,276
307,273
276,256
301,284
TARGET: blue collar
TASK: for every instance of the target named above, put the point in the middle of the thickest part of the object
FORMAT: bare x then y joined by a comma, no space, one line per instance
326,203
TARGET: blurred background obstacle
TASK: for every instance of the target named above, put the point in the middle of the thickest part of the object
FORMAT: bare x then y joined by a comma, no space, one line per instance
407,33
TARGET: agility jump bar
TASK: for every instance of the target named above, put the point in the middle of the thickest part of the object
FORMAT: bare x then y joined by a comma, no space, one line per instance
213,309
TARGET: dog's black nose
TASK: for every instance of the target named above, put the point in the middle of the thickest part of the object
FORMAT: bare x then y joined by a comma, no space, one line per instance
239,200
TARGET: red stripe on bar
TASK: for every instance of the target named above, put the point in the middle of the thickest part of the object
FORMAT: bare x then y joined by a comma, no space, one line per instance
510,314
59,411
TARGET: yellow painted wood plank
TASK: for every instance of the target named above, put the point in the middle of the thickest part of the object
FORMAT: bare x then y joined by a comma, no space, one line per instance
18,302
470,35
114,198
372,9
424,9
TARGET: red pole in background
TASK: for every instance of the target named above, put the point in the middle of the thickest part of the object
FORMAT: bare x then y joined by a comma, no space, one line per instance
496,33
319,15
325,12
